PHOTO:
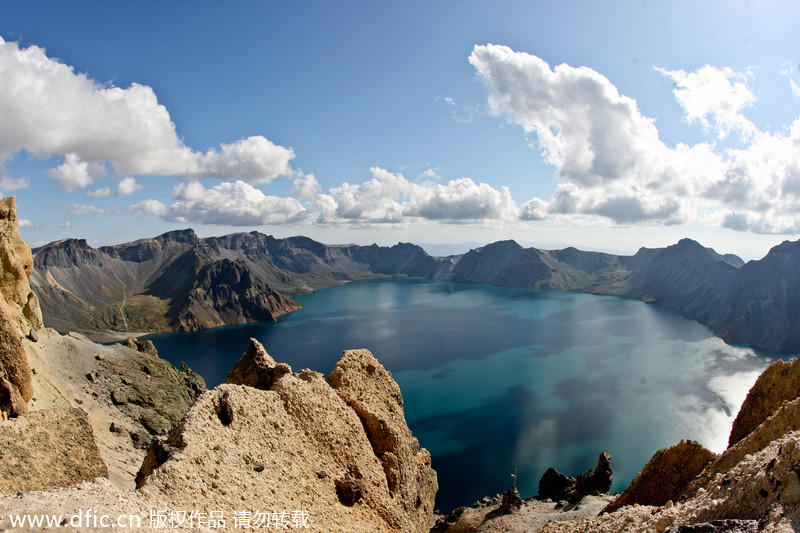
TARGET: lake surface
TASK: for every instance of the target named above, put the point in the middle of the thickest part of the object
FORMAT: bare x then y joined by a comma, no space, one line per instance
498,378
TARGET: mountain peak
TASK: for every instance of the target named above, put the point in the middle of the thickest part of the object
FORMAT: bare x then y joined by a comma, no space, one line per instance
185,236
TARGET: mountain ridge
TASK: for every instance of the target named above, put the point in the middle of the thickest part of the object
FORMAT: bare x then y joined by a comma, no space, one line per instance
146,284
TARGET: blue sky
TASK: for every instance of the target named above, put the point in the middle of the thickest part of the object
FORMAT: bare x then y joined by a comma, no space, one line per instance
601,125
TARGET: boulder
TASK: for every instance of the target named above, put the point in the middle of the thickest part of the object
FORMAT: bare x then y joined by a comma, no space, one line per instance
364,385
146,388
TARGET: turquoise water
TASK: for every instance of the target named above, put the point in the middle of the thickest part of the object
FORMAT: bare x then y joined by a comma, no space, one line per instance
498,378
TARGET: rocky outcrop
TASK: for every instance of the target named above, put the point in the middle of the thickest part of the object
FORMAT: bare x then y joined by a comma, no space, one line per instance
338,448
256,368
146,388
665,476
19,313
778,384
48,449
556,486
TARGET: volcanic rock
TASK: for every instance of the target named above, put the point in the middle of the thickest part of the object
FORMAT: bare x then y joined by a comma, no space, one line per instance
779,383
665,476
351,427
48,449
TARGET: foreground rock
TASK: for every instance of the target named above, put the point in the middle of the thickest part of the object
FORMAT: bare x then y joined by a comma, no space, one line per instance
665,477
48,449
776,385
556,486
19,313
338,448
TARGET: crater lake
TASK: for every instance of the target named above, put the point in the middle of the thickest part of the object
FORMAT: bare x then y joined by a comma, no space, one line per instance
496,378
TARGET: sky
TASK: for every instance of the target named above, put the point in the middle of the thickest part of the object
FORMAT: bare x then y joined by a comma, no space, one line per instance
601,125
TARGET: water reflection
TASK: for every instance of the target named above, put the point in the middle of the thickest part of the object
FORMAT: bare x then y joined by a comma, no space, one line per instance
496,378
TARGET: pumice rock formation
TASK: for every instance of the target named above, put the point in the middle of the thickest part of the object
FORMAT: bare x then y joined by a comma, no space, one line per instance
19,313
270,439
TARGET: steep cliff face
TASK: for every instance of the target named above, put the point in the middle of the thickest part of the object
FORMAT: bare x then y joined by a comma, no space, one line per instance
225,292
19,312
178,281
762,307
171,282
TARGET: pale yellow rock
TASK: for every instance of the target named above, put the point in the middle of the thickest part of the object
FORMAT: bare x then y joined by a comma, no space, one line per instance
300,446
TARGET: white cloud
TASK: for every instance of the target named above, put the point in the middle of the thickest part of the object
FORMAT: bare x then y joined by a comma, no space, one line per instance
461,200
789,70
75,173
391,198
104,192
82,210
714,97
305,186
376,200
191,191
13,184
25,223
65,224
231,203
48,109
127,186
611,163
148,207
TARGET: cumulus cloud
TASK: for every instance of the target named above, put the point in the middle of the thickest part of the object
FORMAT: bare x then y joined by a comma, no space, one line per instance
376,200
13,184
305,186
103,192
127,186
75,173
229,203
25,223
148,207
462,200
714,97
82,210
391,198
611,163
49,109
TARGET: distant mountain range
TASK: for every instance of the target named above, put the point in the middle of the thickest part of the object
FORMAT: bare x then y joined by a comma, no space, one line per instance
179,282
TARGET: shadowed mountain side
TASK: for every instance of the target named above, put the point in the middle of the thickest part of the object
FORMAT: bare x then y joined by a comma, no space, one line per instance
178,281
